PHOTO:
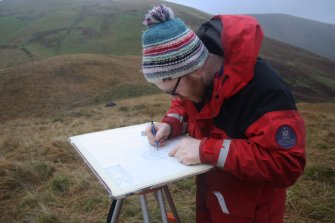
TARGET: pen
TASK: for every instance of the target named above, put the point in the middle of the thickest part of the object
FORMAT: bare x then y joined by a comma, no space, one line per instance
153,130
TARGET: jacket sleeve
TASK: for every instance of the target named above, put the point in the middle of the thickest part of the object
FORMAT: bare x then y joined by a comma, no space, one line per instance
273,151
176,117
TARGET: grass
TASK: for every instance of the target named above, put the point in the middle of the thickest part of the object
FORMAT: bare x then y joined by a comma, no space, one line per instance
39,51
53,28
54,20
312,199
10,27
128,91
17,53
43,179
324,80
60,184
99,26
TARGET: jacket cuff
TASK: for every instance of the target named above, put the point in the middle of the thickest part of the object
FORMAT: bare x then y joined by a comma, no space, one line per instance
177,127
211,151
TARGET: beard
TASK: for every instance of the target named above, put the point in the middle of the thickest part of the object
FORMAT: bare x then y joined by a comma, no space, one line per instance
196,90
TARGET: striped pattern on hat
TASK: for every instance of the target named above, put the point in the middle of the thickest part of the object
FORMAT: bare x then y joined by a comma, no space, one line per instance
170,49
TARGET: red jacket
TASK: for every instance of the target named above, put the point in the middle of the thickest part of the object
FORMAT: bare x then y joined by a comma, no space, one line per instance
249,128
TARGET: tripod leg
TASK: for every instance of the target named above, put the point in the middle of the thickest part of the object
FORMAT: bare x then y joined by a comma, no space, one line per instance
144,207
114,211
160,200
171,203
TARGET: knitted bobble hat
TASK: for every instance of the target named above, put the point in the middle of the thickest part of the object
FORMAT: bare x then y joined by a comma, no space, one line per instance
170,48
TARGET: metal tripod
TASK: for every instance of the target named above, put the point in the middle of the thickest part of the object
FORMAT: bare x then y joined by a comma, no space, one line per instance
116,206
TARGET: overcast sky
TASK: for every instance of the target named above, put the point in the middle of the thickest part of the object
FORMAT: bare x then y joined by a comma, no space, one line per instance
319,10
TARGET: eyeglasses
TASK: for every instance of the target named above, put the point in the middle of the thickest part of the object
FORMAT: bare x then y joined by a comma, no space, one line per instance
173,92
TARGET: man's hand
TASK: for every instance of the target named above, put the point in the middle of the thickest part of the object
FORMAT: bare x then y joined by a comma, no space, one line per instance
187,152
163,130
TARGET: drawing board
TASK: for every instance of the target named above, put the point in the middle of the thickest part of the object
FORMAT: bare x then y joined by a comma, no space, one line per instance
126,163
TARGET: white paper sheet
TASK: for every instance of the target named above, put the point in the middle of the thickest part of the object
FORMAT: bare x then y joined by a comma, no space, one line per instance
126,163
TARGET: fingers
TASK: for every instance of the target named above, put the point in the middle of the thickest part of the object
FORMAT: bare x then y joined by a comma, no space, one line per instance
187,152
178,153
180,156
149,134
162,132
186,162
162,142
173,152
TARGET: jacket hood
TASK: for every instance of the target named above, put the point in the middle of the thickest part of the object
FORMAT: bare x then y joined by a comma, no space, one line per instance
238,38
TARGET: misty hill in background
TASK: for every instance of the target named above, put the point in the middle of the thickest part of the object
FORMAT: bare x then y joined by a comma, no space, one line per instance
307,34
311,77
57,84
42,28
39,76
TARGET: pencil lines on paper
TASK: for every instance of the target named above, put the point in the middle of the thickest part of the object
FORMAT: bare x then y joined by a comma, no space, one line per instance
120,176
155,154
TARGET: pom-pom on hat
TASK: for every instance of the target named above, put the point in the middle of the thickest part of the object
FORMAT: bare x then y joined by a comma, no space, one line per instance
170,48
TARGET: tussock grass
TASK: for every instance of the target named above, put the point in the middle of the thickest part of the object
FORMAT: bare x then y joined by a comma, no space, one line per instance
312,198
43,179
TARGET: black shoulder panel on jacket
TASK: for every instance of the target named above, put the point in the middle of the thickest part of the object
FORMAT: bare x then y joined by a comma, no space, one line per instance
266,92
210,35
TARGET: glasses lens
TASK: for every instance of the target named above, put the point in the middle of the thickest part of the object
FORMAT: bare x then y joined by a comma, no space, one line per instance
173,92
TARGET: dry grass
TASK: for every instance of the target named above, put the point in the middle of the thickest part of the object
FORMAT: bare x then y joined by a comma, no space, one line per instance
59,84
42,179
312,199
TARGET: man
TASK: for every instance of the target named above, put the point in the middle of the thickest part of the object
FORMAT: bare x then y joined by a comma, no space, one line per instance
240,115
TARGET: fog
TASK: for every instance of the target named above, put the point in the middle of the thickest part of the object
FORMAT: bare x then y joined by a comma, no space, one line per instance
321,10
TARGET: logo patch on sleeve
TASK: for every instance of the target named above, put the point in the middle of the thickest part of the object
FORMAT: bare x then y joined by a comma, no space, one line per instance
286,137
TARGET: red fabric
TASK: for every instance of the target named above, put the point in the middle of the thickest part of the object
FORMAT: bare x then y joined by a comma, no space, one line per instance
262,157
241,39
259,158
257,169
176,127
176,124
165,48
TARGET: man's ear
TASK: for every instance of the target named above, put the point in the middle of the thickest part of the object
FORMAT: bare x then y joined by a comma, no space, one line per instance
196,73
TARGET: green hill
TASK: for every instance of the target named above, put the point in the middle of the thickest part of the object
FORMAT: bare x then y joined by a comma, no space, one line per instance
60,83
35,30
47,28
311,77
310,35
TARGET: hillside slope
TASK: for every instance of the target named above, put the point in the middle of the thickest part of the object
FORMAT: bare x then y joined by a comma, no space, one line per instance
37,29
52,84
310,35
311,77
56,84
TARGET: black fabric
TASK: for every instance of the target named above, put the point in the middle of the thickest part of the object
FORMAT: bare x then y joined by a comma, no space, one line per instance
210,35
209,93
266,92
111,211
